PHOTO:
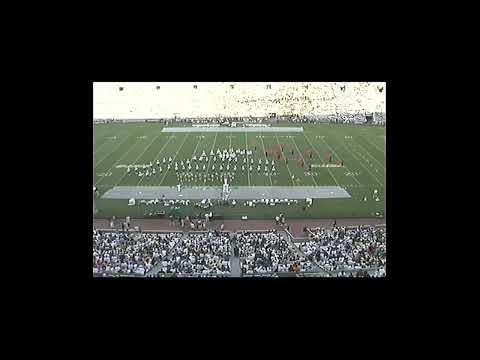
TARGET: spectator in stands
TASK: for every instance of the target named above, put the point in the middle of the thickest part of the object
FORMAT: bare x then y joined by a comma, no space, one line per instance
360,248
123,253
267,252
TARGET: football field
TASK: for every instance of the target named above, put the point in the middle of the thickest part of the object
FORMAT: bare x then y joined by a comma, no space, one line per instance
310,158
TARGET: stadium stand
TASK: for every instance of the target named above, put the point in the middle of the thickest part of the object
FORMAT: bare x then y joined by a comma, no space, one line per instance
122,253
199,254
143,101
337,252
269,252
342,249
327,252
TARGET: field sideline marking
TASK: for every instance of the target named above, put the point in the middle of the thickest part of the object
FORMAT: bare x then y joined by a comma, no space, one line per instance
116,162
264,152
331,174
354,177
155,138
246,153
276,137
304,162
156,157
181,146
370,154
111,152
366,168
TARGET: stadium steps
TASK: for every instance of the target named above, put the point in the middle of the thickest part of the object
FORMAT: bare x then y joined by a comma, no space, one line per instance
156,268
289,238
235,269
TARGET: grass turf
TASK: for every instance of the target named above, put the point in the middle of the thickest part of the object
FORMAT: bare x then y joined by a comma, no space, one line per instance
362,148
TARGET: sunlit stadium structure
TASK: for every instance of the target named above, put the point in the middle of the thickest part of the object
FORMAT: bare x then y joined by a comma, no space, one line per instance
193,156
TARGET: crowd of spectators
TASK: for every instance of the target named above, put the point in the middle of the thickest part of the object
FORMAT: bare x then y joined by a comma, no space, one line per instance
206,253
267,252
121,253
341,248
344,252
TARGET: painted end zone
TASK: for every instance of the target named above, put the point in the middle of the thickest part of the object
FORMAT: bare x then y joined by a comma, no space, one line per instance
237,192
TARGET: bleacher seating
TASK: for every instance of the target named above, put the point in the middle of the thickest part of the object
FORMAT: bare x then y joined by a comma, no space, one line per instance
182,100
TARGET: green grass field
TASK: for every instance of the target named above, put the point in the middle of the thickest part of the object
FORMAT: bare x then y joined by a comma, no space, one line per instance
362,149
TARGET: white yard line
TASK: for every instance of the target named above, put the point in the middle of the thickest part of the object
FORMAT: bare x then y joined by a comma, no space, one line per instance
264,152
155,138
97,149
369,154
366,168
248,164
209,157
156,157
276,137
196,147
116,162
181,146
111,152
375,145
313,147
354,178
304,162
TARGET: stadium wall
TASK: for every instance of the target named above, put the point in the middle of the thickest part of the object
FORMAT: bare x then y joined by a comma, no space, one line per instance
378,118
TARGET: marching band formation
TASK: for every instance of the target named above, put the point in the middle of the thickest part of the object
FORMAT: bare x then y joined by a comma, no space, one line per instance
225,163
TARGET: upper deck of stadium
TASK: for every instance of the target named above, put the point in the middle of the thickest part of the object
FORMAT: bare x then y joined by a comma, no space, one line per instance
137,100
